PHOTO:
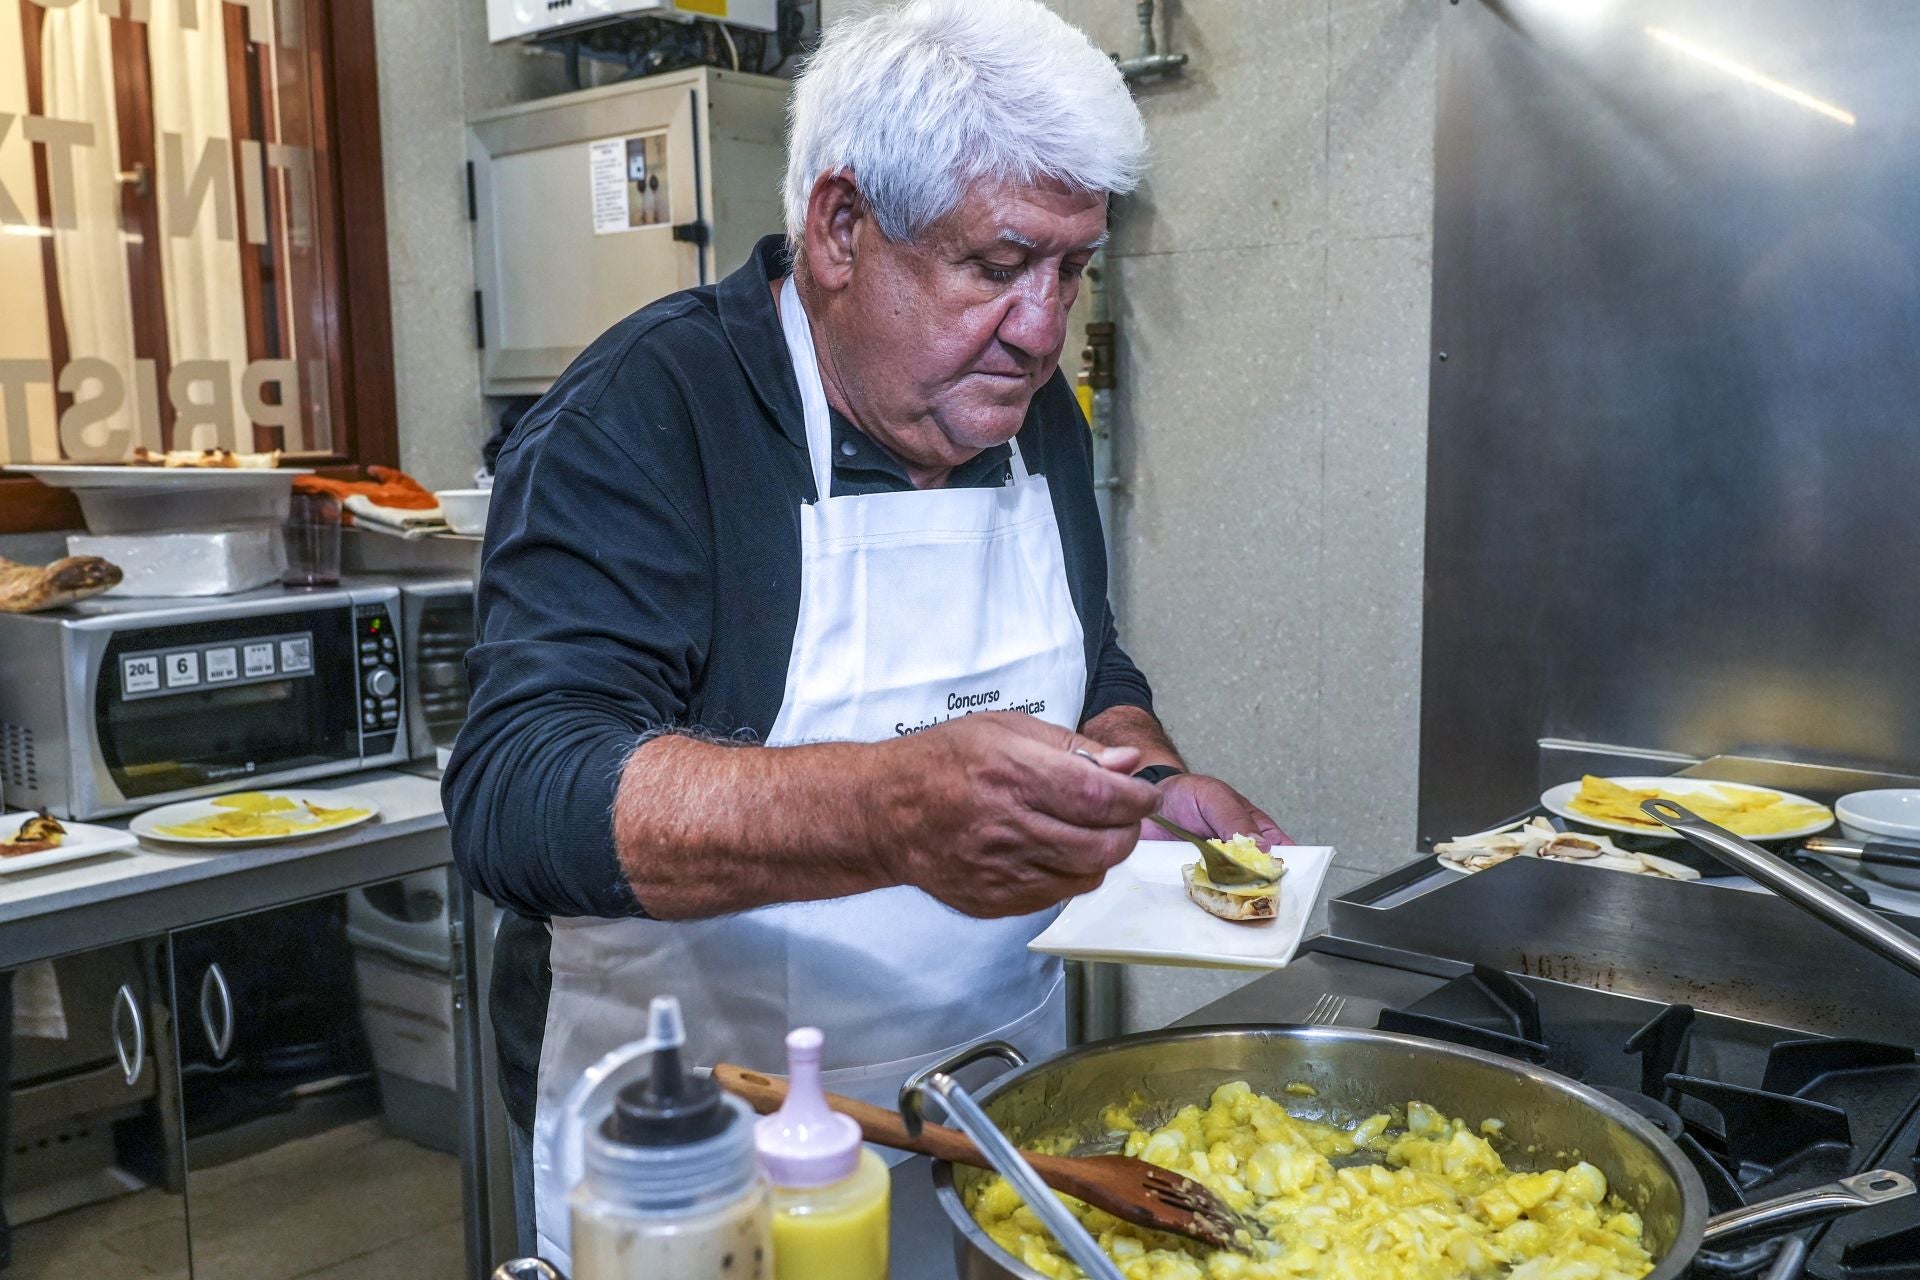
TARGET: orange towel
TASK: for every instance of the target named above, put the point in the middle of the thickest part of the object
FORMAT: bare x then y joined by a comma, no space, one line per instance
388,488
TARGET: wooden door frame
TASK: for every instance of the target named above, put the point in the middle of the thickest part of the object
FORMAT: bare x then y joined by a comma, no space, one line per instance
351,215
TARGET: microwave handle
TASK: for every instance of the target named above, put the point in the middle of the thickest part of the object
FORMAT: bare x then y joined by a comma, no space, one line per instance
213,985
132,1062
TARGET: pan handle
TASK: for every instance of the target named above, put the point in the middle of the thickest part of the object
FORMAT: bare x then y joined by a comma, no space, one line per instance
1805,1208
1793,884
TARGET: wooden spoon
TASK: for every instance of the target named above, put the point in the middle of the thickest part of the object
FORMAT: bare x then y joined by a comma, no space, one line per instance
1129,1189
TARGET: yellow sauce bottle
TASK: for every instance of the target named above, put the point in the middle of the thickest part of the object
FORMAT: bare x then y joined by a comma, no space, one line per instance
830,1194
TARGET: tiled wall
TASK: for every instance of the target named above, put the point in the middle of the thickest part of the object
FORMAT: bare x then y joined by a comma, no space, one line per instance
1272,286
436,69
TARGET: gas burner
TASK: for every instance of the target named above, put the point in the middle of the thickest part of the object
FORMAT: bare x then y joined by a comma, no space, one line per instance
1760,1112
1663,1116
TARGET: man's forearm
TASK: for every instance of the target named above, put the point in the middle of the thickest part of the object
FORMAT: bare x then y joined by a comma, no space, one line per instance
1134,727
705,828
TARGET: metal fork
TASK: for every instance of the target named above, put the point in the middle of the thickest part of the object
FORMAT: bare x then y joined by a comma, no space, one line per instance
1326,1010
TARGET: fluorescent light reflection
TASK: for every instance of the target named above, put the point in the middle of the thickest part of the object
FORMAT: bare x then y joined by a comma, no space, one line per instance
1576,10
1748,75
26,229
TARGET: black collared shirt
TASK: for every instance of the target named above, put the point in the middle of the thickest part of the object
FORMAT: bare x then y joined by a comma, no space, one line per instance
642,569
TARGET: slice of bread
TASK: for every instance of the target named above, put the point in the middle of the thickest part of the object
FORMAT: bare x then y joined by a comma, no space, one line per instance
1240,905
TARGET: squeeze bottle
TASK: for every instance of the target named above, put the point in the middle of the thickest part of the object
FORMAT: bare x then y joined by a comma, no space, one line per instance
668,1189
830,1194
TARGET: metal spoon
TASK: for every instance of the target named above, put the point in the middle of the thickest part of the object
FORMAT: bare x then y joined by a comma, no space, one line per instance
1221,869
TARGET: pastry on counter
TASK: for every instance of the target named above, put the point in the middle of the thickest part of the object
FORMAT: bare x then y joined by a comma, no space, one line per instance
36,835
29,588
224,459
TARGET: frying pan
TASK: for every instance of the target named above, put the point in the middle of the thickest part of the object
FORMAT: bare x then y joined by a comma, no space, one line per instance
1354,1074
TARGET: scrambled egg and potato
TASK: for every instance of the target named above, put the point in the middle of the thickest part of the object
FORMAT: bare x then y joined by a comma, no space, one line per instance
252,814
1743,811
1440,1205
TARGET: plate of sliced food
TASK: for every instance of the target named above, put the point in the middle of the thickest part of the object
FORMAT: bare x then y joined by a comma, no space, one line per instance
254,817
30,840
1758,813
1160,907
1537,838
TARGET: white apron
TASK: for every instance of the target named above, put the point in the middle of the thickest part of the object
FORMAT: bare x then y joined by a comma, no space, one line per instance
915,607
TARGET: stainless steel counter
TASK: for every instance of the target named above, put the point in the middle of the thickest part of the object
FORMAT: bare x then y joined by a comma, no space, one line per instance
123,896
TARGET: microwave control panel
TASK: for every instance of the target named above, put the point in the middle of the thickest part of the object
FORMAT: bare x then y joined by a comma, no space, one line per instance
378,652
157,673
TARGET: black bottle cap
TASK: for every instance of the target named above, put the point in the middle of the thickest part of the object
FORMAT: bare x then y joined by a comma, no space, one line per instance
668,1109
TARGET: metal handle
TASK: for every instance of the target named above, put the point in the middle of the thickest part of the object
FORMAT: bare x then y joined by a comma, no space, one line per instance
135,1062
1005,1157
1793,884
1881,853
138,177
214,983
527,1269
1790,1261
953,1062
1806,1208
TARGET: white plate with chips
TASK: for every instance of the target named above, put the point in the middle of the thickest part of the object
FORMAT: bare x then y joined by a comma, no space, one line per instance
1559,802
157,824
82,840
1141,914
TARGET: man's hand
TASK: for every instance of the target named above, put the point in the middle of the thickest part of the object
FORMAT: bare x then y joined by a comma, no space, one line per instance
994,814
1209,807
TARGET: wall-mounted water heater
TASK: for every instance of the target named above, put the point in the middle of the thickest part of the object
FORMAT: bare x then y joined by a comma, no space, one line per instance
525,19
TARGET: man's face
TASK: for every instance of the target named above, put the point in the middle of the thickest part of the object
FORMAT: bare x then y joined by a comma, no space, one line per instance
943,342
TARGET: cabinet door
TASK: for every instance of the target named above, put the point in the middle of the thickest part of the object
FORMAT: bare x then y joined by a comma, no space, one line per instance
317,1086
92,1158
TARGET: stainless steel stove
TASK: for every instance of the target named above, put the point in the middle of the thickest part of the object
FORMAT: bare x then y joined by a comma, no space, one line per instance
1777,1054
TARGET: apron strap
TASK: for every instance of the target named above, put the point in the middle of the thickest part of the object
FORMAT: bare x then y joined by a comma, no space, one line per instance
813,397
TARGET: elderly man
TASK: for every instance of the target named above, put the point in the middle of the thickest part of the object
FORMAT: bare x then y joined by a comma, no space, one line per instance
794,608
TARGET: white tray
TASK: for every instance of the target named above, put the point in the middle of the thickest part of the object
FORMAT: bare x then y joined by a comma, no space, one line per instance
1141,915
79,476
84,840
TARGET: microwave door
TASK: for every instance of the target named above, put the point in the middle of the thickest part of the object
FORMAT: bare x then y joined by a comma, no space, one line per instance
209,705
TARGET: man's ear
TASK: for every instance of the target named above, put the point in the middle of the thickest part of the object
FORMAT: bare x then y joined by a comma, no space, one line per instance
834,214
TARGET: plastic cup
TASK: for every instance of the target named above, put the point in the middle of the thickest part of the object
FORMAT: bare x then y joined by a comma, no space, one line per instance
313,541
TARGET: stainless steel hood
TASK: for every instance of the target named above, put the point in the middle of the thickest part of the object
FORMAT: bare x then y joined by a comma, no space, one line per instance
1674,475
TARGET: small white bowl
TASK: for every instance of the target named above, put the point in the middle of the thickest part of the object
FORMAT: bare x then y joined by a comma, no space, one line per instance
1880,815
1886,815
465,509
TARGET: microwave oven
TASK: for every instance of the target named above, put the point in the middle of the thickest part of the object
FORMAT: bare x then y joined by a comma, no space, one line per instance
437,621
114,705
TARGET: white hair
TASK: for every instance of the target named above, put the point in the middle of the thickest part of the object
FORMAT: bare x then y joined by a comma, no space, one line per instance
922,101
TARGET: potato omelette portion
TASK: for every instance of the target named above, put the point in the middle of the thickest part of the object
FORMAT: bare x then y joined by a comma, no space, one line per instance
1439,1205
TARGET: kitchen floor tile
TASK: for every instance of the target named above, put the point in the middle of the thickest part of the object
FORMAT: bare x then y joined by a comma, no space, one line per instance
349,1201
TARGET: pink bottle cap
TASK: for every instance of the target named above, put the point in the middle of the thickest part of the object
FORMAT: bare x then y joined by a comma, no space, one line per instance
805,1143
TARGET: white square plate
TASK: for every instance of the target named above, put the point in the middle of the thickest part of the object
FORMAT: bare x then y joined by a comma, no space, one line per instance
1141,915
83,840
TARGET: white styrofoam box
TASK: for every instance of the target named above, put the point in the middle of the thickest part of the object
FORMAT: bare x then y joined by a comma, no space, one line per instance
408,1013
211,563
153,510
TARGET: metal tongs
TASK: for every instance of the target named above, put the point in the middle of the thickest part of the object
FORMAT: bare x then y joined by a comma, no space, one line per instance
967,1116
1834,910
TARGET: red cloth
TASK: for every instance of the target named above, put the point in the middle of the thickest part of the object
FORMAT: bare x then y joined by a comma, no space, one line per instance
388,488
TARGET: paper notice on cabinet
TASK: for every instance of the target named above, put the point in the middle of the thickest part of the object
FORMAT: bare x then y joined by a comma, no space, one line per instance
629,183
607,166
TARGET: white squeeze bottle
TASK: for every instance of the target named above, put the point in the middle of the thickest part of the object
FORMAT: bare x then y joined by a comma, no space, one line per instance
668,1187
